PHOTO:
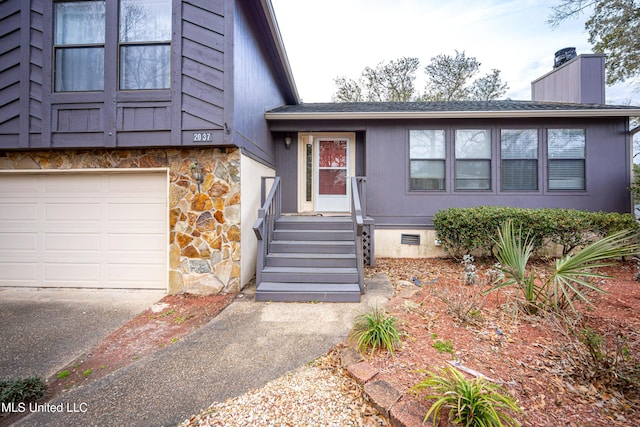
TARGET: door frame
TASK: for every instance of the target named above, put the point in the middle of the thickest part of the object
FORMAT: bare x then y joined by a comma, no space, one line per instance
307,178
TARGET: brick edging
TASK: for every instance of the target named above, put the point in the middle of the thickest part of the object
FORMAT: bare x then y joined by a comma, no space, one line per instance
384,397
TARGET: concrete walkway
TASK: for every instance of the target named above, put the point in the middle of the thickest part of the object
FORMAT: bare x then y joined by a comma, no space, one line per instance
41,330
249,344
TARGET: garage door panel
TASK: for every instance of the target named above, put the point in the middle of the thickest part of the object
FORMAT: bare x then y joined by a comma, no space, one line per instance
74,184
136,242
73,212
18,212
20,186
136,212
91,229
26,242
19,273
72,272
145,275
72,242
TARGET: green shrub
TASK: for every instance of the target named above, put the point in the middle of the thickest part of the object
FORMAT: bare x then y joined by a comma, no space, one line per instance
22,390
475,402
473,230
375,329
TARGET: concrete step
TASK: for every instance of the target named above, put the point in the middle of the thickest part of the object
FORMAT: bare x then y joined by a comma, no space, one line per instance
308,292
311,260
310,275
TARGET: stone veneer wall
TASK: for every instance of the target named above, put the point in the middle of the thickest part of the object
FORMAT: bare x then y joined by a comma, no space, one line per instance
204,227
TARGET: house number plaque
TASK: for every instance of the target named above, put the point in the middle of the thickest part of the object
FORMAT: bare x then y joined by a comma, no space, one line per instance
202,137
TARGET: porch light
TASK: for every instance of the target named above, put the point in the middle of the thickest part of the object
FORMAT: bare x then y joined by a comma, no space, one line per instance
287,141
197,174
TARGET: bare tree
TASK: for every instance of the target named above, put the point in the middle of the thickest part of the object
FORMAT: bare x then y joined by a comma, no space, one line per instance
449,78
392,81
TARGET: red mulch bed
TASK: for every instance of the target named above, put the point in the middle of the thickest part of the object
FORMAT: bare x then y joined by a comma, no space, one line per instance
537,359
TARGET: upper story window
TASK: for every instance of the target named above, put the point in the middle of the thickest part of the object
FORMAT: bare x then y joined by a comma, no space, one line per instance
519,159
566,159
79,38
83,46
427,159
145,44
473,159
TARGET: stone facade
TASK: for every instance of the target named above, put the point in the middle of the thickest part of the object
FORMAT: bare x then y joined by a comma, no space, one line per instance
204,226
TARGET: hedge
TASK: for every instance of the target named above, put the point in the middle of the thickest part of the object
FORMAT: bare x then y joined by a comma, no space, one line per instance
474,230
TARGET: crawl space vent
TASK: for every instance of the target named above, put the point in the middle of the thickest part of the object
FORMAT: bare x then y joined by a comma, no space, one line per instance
410,239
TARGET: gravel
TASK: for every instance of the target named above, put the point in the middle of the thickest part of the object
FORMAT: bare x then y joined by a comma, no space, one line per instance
318,394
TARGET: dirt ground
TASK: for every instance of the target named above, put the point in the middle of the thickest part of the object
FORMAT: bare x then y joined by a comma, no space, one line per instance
540,361
163,324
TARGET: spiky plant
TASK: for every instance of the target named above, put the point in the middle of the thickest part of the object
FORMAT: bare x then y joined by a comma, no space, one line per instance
571,276
474,402
375,329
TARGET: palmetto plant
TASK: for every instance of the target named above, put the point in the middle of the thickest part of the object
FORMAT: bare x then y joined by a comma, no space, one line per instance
474,402
570,278
375,329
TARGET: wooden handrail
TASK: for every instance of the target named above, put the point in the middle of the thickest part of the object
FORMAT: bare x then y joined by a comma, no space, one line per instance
357,217
264,226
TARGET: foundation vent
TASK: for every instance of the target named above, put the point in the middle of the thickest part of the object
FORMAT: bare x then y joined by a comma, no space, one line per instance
410,239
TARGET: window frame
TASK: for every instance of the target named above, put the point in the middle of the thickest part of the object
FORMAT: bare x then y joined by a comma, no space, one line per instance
111,53
123,45
536,159
57,48
550,160
459,161
442,160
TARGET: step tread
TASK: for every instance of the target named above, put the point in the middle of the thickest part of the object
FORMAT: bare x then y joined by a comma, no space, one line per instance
332,270
308,287
314,242
309,255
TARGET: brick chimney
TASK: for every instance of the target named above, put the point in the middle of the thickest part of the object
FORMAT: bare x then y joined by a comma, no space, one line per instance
579,80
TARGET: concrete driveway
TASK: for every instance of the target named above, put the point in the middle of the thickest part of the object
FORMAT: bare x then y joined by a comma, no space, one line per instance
41,330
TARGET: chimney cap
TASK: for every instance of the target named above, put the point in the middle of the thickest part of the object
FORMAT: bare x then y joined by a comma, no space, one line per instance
563,56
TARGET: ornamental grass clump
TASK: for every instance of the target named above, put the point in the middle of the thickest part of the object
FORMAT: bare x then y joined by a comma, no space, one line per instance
375,329
474,402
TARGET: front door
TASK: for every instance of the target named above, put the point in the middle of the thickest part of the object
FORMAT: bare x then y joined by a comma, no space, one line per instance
332,171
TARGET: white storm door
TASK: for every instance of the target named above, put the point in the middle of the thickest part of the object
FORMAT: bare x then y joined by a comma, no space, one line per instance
331,174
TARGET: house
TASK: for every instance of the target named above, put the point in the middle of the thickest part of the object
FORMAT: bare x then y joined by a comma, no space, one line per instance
181,138
104,107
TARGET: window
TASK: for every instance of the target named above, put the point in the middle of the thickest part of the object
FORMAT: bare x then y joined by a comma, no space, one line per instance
566,157
79,46
519,155
473,159
145,44
427,159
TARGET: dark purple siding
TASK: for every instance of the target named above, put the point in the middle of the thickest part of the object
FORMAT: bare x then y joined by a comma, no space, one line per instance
579,81
386,163
256,88
31,116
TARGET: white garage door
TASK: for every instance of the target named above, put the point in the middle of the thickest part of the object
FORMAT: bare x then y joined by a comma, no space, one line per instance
84,230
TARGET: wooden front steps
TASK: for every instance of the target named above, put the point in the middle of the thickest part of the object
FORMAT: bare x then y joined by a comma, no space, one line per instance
311,259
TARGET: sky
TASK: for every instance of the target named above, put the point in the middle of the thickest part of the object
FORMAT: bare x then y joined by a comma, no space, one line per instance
325,39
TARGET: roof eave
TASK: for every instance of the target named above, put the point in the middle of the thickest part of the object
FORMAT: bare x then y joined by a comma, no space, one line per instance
282,53
450,114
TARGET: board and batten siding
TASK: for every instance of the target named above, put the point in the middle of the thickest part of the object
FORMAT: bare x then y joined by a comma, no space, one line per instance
191,113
